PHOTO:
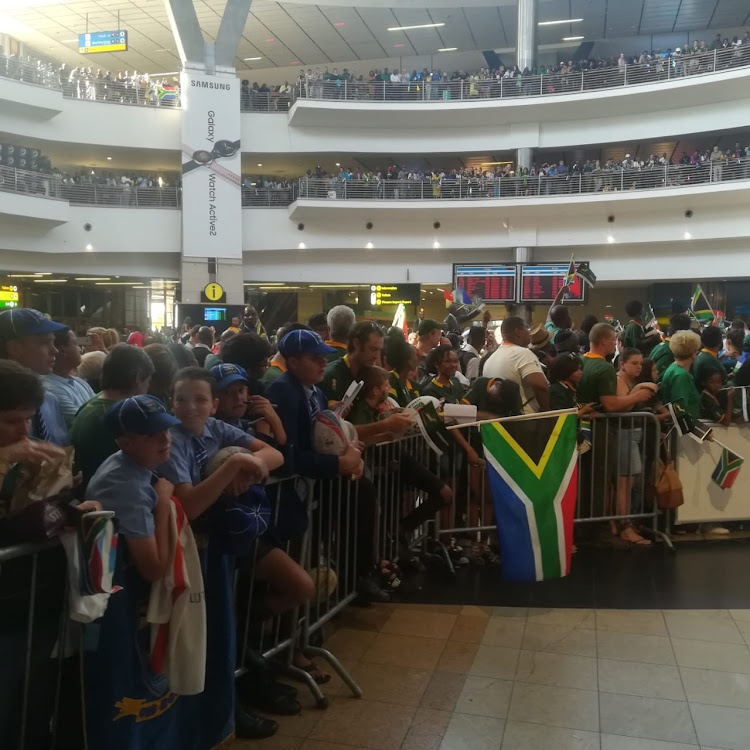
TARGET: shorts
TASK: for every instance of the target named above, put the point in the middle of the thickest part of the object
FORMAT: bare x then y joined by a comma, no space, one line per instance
629,455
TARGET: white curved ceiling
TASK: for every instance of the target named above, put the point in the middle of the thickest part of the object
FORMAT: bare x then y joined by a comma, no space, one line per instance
311,34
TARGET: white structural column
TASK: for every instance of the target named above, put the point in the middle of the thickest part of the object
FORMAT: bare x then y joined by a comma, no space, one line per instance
526,58
211,154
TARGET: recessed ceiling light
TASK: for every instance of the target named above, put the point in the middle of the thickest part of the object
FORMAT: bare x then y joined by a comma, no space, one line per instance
564,20
688,236
435,244
398,45
50,281
448,49
23,275
339,23
109,158
418,26
92,278
572,38
610,238
269,40
294,62
369,246
338,164
114,283
89,247
260,165
250,59
301,246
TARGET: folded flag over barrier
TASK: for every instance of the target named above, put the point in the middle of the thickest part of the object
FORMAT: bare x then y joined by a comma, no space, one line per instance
533,476
684,423
727,469
431,426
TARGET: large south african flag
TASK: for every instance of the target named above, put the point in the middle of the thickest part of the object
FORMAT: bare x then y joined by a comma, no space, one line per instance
532,469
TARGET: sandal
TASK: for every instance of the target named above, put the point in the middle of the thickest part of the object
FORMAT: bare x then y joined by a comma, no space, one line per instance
321,678
629,534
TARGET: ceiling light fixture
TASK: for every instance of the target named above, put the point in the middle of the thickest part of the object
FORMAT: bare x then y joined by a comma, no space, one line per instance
114,283
369,246
250,59
23,275
109,158
610,238
301,246
339,23
92,278
418,26
688,236
398,45
89,248
294,62
572,38
269,40
168,73
435,245
338,163
50,281
555,23
264,283
448,49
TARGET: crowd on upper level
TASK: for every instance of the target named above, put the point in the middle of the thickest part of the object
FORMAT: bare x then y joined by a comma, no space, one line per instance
132,87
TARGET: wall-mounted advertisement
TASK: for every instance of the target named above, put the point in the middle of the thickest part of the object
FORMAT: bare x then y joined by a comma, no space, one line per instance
211,167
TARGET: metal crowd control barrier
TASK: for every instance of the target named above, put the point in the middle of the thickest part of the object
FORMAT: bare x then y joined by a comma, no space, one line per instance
32,652
603,180
613,478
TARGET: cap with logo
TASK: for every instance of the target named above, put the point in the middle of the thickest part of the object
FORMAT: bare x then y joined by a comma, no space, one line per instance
303,342
225,375
138,415
24,321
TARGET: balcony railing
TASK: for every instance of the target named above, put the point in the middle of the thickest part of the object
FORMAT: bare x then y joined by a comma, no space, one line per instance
408,92
91,87
52,186
572,184
445,188
137,90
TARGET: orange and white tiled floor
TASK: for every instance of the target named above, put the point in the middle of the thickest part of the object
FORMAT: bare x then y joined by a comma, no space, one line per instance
445,677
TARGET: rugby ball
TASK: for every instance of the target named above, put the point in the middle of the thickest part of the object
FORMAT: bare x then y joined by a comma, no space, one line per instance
421,400
219,457
332,434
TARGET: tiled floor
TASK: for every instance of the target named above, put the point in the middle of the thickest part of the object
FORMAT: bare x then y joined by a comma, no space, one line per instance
455,677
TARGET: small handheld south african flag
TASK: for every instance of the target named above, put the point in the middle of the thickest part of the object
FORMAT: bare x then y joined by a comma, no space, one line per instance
727,469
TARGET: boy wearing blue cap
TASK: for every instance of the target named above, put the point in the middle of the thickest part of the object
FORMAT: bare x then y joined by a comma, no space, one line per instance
27,337
199,435
125,483
235,405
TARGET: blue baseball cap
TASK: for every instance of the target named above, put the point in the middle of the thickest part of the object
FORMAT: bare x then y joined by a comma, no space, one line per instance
15,324
138,415
303,342
225,375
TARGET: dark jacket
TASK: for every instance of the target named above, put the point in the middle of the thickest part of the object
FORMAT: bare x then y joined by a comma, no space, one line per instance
289,396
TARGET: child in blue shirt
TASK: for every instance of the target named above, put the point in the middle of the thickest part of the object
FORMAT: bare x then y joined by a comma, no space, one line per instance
121,692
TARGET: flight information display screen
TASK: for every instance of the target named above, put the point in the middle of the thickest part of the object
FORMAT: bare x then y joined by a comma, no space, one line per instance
492,284
541,283
215,313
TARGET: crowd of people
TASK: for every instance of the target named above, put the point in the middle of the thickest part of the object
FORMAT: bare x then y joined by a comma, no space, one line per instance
583,175
132,87
144,419
93,84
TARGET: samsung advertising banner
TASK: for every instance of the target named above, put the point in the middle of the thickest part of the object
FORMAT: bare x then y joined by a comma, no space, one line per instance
211,167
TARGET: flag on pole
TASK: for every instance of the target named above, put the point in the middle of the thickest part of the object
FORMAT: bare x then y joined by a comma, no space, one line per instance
532,469
684,423
649,319
570,276
701,307
399,320
727,469
461,295
583,270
